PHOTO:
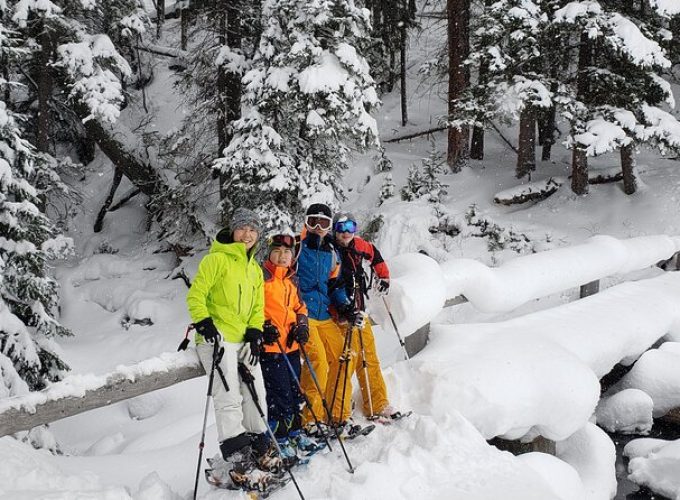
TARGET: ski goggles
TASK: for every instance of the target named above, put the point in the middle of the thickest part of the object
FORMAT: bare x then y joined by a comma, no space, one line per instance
282,240
318,222
346,226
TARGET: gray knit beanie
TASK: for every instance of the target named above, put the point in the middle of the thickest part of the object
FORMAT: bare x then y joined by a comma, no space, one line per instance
245,217
242,217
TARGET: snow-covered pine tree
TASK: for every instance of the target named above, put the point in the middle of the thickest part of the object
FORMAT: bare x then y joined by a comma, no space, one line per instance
424,181
307,104
509,42
28,295
72,60
387,189
620,92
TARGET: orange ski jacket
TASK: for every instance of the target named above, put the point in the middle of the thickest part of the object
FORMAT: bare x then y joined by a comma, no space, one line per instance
282,303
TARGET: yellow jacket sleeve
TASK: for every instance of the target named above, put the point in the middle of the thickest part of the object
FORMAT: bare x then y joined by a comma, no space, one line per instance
206,277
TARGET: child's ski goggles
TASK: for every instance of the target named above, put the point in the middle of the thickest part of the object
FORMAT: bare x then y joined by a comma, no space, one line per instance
346,226
282,240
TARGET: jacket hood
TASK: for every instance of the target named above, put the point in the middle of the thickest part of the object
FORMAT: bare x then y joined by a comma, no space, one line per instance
233,248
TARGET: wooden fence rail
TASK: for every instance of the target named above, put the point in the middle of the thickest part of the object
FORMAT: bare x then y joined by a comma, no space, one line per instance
120,386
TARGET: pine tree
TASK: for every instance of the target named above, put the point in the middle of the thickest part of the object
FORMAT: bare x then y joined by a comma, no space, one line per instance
425,181
387,189
307,102
28,295
620,90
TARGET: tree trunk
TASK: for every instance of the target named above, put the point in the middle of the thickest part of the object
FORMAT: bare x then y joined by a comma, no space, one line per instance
579,171
477,147
404,105
184,26
229,84
116,143
45,86
579,165
160,17
221,89
117,178
526,152
547,126
628,169
458,13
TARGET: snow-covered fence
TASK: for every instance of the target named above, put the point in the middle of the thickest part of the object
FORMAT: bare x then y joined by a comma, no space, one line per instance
421,288
79,393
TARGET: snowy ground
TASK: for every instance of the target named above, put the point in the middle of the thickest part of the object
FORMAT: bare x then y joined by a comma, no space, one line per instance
514,372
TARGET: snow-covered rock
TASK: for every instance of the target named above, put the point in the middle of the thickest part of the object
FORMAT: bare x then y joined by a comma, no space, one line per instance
657,373
658,469
628,412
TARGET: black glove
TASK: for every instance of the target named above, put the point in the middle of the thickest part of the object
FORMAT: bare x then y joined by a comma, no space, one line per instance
270,334
383,286
352,315
206,327
299,331
254,337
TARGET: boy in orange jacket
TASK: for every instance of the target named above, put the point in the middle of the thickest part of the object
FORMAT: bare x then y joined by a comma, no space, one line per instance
285,326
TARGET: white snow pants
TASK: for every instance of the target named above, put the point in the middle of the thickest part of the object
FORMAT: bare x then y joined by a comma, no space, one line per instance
235,410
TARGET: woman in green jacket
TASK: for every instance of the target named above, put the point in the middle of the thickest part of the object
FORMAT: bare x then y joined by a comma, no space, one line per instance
226,303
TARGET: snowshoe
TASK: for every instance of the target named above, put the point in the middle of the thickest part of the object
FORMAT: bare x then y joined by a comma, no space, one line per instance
254,480
387,418
306,445
349,431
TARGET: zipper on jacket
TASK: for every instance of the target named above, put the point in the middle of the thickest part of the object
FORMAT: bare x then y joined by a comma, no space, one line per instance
239,298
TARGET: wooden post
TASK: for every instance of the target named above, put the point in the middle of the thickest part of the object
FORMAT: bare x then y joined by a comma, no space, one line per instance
517,447
590,289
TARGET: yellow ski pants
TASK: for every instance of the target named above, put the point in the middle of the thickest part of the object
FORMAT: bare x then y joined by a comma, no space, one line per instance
378,391
324,349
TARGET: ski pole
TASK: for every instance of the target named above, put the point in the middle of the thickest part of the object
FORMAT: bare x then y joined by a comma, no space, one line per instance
201,445
365,367
249,380
325,405
302,393
342,361
396,330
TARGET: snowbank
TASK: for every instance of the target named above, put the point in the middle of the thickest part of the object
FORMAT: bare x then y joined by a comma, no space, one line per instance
533,276
538,373
657,373
657,467
592,453
417,293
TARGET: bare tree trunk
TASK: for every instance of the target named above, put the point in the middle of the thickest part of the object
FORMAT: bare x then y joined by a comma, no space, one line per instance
628,169
579,175
477,146
526,152
221,88
45,86
184,15
229,84
404,105
117,177
458,12
160,17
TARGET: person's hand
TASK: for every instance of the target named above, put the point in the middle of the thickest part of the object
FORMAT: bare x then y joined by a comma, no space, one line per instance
299,332
352,315
270,334
206,328
383,286
253,337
